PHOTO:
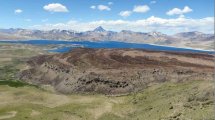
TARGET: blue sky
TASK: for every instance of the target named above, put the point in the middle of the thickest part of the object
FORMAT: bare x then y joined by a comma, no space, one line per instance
137,15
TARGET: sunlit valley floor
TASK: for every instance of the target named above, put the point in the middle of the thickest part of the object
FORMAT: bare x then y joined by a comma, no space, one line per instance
161,101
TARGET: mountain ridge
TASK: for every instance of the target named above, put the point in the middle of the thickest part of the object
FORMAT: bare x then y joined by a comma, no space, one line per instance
193,39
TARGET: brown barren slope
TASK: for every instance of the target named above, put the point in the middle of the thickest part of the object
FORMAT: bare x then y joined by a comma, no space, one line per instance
115,71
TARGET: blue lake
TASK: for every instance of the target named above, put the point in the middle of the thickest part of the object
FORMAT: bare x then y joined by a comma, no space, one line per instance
102,44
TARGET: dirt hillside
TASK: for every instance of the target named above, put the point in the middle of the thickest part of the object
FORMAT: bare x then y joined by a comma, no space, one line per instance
115,71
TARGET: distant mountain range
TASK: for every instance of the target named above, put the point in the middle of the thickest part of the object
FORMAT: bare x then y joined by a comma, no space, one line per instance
185,39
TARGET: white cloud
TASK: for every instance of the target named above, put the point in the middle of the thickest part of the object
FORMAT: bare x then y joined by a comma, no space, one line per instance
153,2
181,16
93,7
110,3
125,13
55,7
17,11
177,11
144,25
141,8
187,9
137,9
103,7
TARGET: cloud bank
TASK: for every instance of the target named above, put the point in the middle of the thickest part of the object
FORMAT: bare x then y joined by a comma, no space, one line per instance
168,26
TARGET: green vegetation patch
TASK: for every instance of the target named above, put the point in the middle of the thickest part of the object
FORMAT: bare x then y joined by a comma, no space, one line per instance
8,72
15,83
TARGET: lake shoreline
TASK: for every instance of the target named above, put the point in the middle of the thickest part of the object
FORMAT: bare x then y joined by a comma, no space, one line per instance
105,41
